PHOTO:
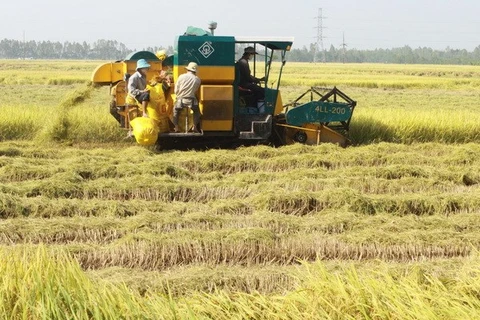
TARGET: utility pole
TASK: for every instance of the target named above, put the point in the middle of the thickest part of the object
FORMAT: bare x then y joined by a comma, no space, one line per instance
344,46
319,42
24,46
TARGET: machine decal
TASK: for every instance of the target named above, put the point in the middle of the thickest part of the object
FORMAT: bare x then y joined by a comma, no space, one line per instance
206,49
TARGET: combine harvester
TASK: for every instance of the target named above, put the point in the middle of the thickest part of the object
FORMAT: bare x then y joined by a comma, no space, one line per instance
230,115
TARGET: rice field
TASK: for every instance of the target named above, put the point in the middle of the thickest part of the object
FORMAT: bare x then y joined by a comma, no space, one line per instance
93,226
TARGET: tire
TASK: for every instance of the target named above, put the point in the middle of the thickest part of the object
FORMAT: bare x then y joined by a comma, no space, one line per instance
300,137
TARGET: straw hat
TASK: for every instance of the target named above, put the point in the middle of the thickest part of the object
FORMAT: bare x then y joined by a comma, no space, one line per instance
192,66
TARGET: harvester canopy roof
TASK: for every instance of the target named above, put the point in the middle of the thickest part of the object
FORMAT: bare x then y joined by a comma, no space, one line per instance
273,43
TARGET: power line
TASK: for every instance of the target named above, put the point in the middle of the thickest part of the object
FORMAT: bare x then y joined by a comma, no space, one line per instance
320,37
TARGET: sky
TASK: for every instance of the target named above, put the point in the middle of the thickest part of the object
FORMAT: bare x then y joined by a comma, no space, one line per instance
360,25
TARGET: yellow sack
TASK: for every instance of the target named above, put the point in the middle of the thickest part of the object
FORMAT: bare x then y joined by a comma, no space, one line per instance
156,93
131,101
145,130
157,106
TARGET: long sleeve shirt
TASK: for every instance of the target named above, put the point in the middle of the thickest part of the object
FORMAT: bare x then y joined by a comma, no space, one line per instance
245,74
136,84
187,85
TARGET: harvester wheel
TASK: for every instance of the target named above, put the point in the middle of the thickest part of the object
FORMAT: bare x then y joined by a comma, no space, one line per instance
300,136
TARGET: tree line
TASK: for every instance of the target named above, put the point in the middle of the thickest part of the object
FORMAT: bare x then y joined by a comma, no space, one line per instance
402,55
114,50
99,50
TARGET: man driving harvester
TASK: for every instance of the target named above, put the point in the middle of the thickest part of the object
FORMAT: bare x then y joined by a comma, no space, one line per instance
247,81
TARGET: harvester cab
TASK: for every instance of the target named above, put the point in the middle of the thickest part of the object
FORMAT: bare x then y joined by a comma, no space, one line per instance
226,109
229,113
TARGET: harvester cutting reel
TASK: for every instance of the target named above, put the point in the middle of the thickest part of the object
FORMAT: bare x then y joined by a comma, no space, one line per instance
325,118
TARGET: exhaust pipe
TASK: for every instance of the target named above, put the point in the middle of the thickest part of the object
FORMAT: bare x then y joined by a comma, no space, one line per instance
212,26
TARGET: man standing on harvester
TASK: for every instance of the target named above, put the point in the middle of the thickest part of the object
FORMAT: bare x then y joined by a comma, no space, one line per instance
186,88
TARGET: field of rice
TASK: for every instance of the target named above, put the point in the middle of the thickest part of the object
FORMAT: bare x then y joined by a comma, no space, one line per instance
93,226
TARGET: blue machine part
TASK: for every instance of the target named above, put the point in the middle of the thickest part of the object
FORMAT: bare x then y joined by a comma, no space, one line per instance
318,112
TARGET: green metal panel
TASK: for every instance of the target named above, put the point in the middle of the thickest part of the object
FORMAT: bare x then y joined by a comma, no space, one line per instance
270,100
318,112
267,108
205,50
168,62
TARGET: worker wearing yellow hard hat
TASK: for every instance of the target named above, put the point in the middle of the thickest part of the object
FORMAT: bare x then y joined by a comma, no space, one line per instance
161,54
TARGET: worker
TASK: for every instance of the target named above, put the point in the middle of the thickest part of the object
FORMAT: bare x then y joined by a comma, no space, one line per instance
164,78
157,107
137,84
161,55
167,82
166,73
246,80
186,89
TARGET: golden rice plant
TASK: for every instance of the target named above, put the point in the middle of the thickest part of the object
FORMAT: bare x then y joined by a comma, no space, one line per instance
350,294
396,103
41,284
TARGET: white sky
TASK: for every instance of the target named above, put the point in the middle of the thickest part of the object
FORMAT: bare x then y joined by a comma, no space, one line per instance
367,24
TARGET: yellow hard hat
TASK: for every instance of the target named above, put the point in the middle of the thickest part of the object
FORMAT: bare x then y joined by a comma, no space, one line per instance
161,54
